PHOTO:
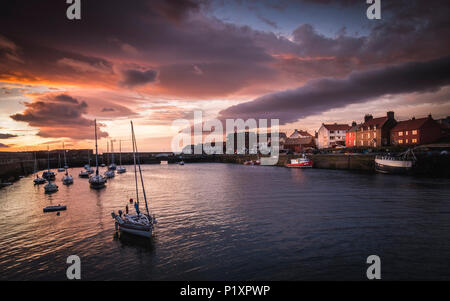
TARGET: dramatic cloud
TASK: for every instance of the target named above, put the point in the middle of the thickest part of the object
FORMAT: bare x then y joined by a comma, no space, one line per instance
58,116
318,96
4,145
133,78
7,136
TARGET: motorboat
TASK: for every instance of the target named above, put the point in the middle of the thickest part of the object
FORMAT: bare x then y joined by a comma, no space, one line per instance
84,174
302,162
109,174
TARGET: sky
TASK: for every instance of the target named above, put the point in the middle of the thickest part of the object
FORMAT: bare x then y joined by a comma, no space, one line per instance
304,62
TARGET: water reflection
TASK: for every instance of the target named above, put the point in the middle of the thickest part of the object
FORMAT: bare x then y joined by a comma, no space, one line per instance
231,222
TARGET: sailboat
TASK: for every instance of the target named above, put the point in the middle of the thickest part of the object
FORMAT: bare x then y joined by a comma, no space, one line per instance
67,179
113,165
87,169
38,180
48,175
60,169
97,181
120,169
65,160
138,224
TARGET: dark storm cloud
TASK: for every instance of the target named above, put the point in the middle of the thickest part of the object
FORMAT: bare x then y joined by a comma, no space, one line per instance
7,136
318,96
133,78
4,145
56,115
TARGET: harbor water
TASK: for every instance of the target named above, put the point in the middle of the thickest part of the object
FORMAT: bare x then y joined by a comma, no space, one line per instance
232,222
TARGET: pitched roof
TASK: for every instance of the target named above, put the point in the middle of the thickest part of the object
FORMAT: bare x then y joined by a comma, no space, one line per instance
412,124
336,127
354,128
375,121
298,133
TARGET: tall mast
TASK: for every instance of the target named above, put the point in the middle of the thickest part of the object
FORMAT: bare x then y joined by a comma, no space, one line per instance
120,154
96,147
35,164
134,159
64,150
48,158
112,152
140,171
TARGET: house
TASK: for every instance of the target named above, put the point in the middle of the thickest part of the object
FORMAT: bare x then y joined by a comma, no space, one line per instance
300,134
298,145
416,131
331,135
376,132
351,135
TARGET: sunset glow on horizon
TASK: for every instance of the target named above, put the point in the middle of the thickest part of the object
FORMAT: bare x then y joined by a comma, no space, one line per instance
303,62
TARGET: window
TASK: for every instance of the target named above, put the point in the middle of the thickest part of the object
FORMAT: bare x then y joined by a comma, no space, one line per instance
331,132
407,133
407,141
400,133
414,132
360,142
332,138
374,134
400,141
414,140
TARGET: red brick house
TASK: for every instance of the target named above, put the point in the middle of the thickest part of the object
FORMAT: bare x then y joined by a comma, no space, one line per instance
416,131
351,135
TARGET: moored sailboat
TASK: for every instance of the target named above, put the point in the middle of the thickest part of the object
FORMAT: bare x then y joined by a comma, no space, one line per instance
48,174
38,180
121,169
96,181
138,224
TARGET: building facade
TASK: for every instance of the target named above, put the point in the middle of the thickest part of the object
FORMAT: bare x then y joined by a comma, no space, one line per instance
332,135
416,131
351,136
376,132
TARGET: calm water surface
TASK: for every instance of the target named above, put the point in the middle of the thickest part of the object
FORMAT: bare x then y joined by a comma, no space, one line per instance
232,222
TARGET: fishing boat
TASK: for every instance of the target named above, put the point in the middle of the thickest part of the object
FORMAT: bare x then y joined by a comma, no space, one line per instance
48,175
302,162
84,174
55,208
121,169
97,181
140,224
38,180
401,164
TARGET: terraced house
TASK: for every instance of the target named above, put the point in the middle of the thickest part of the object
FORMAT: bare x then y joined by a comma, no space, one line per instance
376,132
416,131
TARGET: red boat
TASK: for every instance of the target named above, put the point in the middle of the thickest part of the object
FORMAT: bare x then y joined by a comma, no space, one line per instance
303,162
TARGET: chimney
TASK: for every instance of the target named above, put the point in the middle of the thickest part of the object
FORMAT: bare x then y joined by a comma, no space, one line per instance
430,117
368,117
354,123
390,115
414,118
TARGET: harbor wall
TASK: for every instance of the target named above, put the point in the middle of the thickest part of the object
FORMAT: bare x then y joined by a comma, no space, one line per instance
427,165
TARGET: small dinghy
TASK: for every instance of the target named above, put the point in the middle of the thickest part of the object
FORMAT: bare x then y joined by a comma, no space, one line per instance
68,179
181,163
38,180
55,208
